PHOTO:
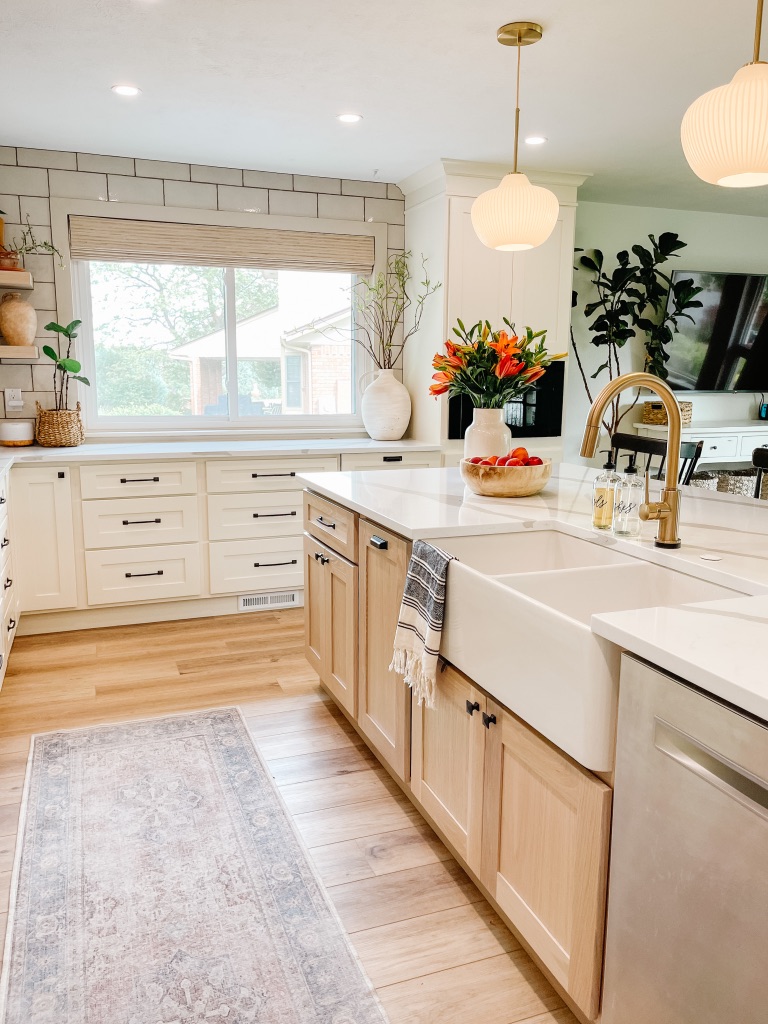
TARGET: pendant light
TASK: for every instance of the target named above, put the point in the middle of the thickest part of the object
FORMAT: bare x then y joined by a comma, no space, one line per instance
515,215
725,131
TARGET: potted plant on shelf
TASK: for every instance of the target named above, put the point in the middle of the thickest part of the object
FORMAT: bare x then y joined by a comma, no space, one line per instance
380,306
492,368
61,427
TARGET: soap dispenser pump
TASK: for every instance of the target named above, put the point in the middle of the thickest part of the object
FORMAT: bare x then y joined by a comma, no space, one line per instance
604,495
629,498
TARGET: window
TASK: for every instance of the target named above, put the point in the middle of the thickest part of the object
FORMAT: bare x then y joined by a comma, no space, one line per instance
168,344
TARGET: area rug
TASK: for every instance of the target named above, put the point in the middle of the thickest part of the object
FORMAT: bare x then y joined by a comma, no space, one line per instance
160,880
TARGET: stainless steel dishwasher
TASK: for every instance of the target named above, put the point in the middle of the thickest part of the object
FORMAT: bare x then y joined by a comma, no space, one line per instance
687,930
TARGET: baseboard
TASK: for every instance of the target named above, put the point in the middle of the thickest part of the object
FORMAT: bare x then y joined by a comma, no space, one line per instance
34,623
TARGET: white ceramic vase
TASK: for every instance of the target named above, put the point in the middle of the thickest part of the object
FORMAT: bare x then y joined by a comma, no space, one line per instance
386,407
487,435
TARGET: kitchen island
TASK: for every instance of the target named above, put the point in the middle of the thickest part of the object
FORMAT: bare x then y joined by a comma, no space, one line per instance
514,766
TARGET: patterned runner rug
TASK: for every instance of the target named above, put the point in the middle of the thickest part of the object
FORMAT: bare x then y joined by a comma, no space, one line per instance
160,880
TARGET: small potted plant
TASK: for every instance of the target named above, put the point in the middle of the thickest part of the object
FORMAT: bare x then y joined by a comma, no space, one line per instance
492,368
61,427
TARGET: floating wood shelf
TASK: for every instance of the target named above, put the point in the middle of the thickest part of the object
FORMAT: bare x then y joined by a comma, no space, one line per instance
20,280
24,352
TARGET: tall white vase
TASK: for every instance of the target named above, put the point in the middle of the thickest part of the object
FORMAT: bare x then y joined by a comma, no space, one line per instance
386,407
487,435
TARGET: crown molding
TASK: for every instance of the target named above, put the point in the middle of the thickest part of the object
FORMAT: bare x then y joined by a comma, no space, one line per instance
470,178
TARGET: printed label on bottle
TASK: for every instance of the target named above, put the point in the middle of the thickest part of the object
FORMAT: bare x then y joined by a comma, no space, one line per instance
602,508
623,508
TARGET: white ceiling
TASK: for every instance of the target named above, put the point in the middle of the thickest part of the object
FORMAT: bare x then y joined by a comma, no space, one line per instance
256,83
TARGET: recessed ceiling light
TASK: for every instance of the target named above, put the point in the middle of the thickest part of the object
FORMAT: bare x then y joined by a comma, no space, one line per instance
126,90
535,140
349,118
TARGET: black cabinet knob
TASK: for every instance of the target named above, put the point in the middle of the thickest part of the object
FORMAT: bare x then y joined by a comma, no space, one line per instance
472,707
489,720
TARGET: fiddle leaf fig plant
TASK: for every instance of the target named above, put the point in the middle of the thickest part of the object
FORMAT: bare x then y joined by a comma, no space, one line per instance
65,368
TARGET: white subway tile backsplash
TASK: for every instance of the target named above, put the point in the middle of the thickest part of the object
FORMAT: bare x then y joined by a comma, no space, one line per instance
308,183
125,189
13,232
46,158
17,375
341,207
78,184
43,295
105,164
390,211
46,316
195,194
242,199
268,179
11,209
35,209
7,154
217,175
293,204
29,409
42,375
394,192
41,268
162,169
374,189
23,181
395,236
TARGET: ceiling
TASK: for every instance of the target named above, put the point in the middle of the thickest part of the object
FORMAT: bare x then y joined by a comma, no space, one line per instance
256,83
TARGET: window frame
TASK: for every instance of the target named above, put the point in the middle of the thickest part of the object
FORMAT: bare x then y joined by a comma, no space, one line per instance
73,300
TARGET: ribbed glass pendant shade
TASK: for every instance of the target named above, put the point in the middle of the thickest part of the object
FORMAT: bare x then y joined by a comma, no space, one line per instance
725,131
515,215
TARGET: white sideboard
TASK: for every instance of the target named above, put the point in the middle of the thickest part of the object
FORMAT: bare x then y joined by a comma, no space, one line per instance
726,444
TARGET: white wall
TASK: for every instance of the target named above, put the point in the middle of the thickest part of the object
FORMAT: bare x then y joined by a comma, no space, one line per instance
717,242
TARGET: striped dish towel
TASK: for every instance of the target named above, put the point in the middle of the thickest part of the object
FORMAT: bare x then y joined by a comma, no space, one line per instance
420,623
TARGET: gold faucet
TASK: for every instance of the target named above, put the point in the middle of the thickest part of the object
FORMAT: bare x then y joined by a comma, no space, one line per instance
666,511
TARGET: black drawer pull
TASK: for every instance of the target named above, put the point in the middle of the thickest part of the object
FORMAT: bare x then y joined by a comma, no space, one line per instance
3,500
140,480
11,624
272,515
326,523
4,543
472,707
489,720
320,557
392,458
140,522
268,565
255,476
8,583
379,543
135,575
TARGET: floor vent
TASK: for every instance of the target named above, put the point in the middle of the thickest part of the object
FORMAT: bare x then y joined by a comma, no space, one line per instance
278,599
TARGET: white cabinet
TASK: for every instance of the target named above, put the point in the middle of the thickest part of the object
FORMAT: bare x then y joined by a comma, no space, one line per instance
723,443
43,537
390,460
127,575
128,480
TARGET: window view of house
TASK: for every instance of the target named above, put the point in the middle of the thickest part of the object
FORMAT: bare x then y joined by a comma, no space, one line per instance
163,346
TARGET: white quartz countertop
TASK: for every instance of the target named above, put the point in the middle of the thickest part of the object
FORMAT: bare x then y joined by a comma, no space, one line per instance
718,645
138,451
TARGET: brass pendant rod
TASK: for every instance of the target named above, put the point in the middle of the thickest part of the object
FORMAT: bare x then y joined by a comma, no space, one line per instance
517,104
758,31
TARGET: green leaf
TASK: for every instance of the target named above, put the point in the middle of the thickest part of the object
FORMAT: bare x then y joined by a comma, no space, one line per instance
83,380
57,328
50,352
71,327
70,365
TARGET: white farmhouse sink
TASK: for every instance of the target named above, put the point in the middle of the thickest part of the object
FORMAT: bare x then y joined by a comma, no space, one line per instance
525,637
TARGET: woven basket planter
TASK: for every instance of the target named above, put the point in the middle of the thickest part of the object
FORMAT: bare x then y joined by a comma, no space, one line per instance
654,413
737,481
59,429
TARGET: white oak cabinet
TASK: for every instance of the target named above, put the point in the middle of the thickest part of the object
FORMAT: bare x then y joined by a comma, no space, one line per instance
42,524
384,702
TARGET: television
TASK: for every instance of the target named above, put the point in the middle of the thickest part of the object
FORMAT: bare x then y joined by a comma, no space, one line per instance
725,348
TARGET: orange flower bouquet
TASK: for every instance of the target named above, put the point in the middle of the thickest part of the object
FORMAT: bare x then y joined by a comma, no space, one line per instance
492,367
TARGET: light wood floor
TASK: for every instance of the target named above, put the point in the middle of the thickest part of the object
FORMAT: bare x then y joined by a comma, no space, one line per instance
435,950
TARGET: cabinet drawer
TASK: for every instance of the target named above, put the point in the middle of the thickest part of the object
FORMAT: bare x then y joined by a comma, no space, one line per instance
751,441
391,460
242,566
162,573
138,479
10,622
240,516
331,523
720,446
133,522
9,591
3,499
264,474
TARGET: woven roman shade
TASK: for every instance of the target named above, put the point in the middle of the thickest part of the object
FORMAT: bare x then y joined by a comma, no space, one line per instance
144,241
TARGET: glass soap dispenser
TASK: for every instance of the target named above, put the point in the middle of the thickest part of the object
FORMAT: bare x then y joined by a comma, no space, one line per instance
604,495
629,497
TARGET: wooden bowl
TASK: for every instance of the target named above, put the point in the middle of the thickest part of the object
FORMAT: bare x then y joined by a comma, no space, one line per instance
506,481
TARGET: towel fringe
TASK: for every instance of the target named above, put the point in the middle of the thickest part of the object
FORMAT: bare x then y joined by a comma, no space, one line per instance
410,665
